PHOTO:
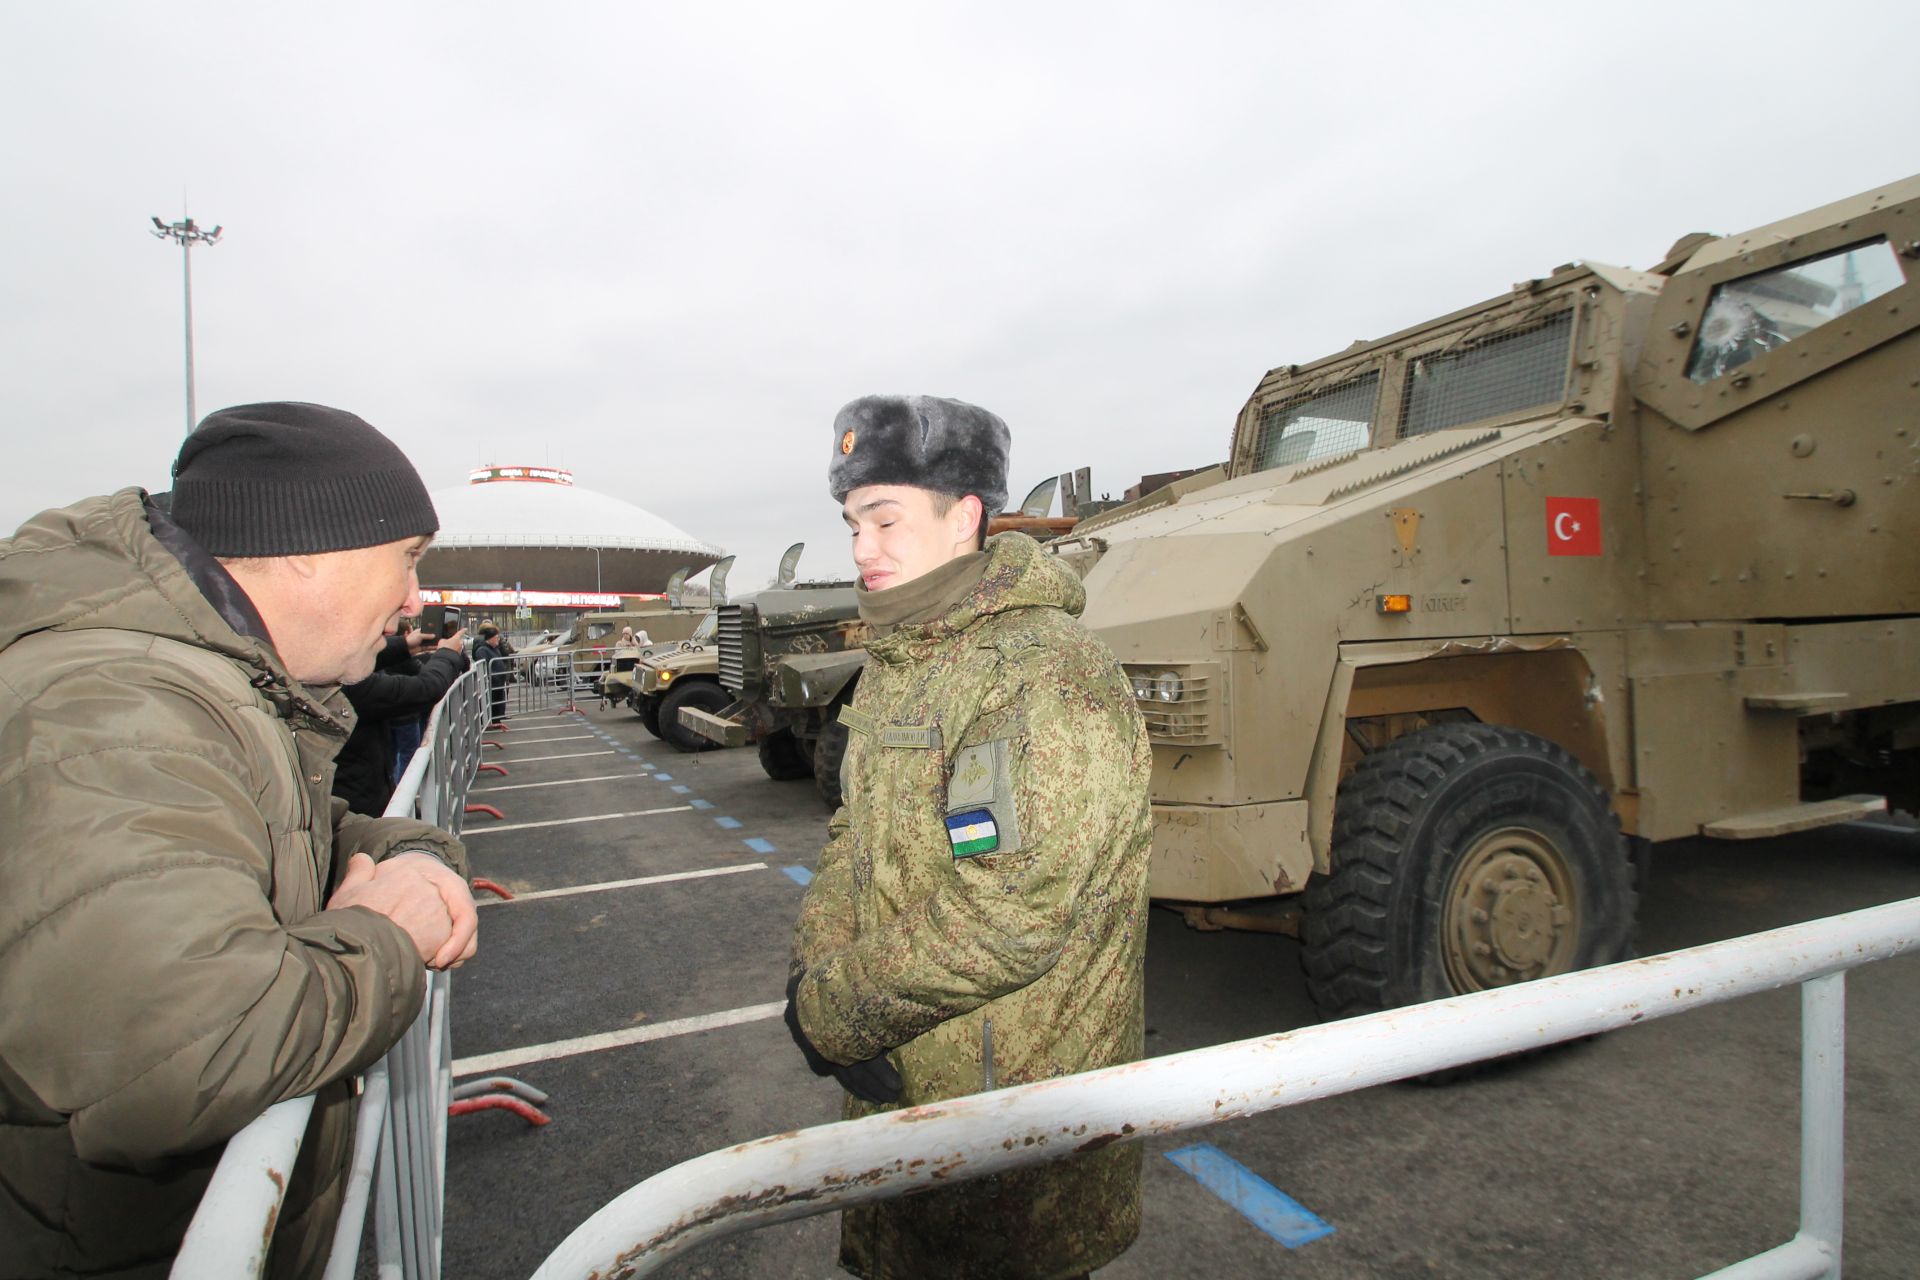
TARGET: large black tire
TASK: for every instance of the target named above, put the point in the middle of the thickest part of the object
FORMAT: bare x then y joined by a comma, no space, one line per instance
1465,856
707,695
647,707
785,757
829,749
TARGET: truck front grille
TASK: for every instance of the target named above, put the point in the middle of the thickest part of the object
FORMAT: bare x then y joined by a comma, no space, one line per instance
727,635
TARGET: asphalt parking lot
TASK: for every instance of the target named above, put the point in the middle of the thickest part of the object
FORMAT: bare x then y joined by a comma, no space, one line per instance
1666,1150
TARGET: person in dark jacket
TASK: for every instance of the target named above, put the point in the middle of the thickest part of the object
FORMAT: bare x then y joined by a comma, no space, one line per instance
491,650
363,771
191,928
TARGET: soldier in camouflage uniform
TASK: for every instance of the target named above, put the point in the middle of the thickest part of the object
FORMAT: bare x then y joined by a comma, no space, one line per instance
979,915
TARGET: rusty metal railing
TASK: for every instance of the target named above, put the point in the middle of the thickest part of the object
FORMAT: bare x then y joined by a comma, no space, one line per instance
896,1153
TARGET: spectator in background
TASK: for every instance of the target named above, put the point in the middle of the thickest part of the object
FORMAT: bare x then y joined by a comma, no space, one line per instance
489,654
191,929
403,734
364,773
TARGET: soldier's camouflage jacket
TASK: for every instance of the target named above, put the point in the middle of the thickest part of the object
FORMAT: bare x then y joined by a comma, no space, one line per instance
989,865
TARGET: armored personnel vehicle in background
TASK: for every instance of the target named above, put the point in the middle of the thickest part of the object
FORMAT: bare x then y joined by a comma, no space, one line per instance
1475,612
693,663
613,675
788,659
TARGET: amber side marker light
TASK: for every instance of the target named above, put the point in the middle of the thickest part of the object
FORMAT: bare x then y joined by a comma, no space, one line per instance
1393,604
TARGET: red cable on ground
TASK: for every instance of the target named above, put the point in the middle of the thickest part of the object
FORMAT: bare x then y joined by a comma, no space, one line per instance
500,1102
493,768
489,810
484,885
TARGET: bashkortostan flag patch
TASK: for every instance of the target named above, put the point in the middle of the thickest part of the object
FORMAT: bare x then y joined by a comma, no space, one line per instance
972,832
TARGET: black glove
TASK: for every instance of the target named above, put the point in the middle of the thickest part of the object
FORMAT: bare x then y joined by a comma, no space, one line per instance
873,1080
815,1061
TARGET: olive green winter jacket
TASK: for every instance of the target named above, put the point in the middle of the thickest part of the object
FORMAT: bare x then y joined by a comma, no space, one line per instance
167,970
989,866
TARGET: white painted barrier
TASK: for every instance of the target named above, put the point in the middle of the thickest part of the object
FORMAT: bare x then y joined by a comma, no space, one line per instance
855,1162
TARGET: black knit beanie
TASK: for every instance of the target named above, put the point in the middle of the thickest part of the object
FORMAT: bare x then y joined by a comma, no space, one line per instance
288,479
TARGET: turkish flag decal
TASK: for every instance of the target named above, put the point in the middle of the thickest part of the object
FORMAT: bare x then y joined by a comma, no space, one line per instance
1573,526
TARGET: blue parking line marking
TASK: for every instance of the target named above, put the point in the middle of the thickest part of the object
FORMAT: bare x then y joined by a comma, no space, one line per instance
759,845
1259,1201
680,788
799,875
664,777
701,804
730,824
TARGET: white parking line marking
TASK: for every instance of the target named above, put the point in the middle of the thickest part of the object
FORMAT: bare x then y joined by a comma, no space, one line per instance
622,884
571,737
575,755
558,782
562,822
482,1064
548,715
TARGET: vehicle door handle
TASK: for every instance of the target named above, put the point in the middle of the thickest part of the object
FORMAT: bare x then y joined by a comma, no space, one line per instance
1838,497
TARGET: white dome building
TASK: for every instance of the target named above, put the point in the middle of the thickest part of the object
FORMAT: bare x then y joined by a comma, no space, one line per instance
531,527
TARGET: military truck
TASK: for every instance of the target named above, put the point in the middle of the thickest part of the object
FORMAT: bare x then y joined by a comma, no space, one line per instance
605,665
689,673
788,658
1475,612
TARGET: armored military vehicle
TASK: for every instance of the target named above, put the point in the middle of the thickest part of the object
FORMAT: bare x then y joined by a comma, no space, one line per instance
789,659
1474,612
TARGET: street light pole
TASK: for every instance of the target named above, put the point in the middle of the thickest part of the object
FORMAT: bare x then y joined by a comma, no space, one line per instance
188,234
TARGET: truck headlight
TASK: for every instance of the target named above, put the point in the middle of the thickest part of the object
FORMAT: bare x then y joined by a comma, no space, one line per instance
666,678
1181,703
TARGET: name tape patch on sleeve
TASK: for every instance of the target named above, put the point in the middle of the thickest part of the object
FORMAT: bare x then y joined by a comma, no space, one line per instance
972,832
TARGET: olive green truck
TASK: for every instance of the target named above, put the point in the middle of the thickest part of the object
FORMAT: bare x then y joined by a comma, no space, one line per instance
1475,612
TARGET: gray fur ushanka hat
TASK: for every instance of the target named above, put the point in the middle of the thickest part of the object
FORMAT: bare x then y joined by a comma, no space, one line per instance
928,442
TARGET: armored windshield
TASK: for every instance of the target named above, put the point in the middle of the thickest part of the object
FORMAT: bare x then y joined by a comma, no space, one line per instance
703,634
1749,316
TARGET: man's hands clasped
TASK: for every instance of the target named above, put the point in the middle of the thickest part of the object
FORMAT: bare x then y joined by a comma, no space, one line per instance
874,1079
421,894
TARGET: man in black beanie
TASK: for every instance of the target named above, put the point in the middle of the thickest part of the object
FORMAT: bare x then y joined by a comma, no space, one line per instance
190,928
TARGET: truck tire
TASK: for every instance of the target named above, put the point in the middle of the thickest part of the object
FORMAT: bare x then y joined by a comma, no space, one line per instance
1465,856
829,749
647,707
785,757
703,694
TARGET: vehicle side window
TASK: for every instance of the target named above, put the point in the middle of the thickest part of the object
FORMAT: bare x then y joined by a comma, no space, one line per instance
1502,374
1307,428
1755,314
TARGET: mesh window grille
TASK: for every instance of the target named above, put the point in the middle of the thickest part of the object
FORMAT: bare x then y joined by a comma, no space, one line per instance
1504,373
1338,420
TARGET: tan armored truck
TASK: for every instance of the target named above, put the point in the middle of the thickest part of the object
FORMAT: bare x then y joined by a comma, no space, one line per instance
1474,612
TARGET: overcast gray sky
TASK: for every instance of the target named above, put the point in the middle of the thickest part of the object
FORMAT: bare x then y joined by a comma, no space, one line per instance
662,245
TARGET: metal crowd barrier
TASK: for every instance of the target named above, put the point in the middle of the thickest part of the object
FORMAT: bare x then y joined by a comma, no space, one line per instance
401,1130
556,681
880,1157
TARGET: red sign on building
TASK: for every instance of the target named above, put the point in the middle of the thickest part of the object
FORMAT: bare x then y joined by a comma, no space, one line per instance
1573,526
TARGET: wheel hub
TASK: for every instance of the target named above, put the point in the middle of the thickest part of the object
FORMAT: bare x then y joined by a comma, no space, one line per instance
1510,912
